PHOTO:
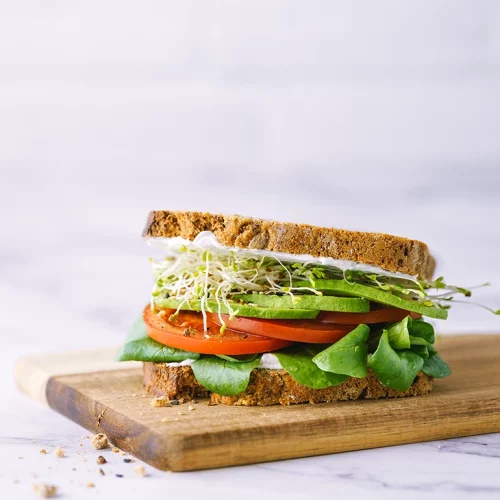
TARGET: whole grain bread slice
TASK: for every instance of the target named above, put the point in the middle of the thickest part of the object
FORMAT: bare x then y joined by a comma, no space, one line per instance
392,253
272,387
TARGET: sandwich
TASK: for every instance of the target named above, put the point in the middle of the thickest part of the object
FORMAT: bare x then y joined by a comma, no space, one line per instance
247,311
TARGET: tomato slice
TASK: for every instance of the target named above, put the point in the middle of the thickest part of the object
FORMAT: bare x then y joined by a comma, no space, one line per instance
187,333
388,315
296,330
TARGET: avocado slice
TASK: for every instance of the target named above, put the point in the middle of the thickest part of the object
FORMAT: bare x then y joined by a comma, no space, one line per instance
316,302
357,290
245,310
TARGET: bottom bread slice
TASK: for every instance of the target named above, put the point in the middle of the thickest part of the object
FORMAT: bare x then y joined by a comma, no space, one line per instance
271,387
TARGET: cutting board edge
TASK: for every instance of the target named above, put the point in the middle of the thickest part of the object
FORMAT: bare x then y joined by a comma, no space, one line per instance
32,373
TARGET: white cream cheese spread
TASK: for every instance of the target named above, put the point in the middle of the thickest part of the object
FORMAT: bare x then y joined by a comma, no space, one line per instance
268,361
206,240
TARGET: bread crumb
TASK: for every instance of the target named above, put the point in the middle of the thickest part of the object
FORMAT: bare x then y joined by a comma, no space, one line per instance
101,472
90,485
160,402
123,452
43,451
140,470
115,449
59,452
180,413
101,460
45,490
191,408
165,419
100,441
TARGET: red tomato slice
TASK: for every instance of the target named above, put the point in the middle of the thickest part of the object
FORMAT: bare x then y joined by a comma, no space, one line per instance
389,315
296,330
187,333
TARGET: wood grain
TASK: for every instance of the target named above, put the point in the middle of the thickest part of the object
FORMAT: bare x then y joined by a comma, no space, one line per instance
466,403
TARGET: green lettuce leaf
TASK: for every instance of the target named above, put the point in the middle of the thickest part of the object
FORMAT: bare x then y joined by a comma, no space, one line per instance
140,347
395,369
435,367
240,358
228,378
423,330
297,360
399,335
348,355
421,350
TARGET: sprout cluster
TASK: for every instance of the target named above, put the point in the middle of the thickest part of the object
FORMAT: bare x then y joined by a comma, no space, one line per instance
190,273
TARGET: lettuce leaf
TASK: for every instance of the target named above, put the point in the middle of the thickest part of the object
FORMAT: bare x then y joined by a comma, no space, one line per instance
298,362
395,369
435,367
348,355
239,358
423,330
227,378
140,347
399,335
421,350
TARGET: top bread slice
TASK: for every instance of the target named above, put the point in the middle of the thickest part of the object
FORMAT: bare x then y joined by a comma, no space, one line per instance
392,253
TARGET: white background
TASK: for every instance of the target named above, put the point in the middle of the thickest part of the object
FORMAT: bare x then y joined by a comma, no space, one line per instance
379,116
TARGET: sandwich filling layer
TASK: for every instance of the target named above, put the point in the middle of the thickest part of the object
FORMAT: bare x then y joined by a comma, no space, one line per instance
225,312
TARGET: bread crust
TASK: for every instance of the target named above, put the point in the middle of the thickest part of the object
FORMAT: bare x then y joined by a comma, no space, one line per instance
392,253
272,387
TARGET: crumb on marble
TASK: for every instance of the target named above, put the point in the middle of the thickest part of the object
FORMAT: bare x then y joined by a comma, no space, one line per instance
114,449
59,452
101,460
140,470
43,451
90,485
100,441
45,490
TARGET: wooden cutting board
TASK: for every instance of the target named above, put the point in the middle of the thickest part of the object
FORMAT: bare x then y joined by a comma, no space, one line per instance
82,387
